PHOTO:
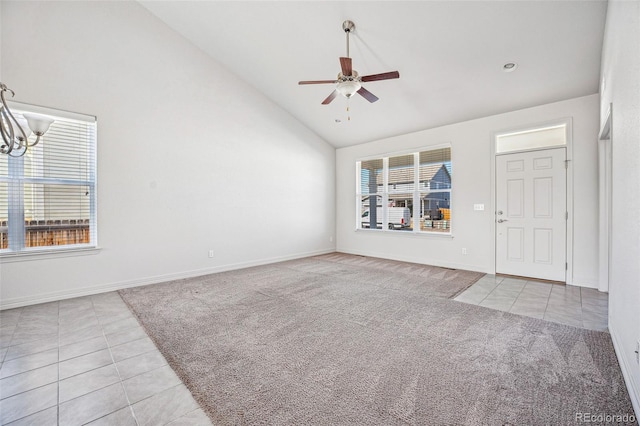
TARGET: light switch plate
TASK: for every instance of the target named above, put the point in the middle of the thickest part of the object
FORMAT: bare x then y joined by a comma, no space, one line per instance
478,207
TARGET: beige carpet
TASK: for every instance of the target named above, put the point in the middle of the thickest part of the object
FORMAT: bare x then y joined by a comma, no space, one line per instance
340,339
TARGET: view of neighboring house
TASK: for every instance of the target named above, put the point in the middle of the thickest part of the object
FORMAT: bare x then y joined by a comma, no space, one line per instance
431,187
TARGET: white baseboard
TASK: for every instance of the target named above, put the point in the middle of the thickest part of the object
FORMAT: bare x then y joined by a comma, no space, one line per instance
632,387
87,291
429,262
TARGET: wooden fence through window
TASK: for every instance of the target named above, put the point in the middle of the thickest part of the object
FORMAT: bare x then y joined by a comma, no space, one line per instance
43,233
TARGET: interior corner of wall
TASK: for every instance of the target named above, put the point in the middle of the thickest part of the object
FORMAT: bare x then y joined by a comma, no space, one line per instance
631,380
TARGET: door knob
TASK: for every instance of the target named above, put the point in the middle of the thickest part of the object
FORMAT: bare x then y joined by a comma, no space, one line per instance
502,220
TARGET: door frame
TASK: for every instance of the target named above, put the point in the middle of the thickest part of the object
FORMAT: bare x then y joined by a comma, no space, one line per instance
568,122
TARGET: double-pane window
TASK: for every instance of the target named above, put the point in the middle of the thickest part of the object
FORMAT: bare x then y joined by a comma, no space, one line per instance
48,196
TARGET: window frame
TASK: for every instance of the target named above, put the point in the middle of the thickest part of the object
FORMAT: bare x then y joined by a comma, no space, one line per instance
16,182
417,192
565,124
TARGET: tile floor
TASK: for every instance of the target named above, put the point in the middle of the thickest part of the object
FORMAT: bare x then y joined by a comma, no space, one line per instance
565,304
86,361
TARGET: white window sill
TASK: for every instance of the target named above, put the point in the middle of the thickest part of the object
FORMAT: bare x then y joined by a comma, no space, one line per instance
421,234
23,256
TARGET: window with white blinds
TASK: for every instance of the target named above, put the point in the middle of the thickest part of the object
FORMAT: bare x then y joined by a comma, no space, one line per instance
48,196
408,192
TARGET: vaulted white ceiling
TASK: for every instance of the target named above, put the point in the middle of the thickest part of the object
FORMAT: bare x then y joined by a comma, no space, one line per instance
449,54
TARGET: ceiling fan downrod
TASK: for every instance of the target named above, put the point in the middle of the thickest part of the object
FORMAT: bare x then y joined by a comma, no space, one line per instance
348,27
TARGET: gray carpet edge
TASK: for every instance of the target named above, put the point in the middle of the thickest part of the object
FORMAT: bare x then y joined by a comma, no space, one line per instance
219,417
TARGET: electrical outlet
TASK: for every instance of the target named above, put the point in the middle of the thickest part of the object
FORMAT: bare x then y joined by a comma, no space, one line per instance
330,239
464,250
210,253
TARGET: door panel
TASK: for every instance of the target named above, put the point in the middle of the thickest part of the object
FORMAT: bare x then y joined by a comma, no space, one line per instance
543,246
515,198
531,214
543,198
515,241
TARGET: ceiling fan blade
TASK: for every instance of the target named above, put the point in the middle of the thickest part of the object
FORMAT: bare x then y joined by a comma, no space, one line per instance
345,64
383,76
318,82
367,95
331,97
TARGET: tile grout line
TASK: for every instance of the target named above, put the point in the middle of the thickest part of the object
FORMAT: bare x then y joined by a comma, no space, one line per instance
546,302
57,362
38,387
546,306
181,383
569,315
496,286
119,377
69,359
494,289
93,369
517,297
597,308
115,364
12,335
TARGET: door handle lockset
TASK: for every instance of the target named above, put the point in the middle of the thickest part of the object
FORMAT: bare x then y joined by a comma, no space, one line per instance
502,220
499,212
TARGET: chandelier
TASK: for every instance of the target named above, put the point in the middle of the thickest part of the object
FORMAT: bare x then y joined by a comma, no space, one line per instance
16,132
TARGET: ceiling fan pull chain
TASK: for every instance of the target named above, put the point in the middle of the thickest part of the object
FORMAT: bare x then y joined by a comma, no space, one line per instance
348,113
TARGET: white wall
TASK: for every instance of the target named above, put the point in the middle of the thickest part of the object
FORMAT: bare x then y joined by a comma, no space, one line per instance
471,143
621,76
190,158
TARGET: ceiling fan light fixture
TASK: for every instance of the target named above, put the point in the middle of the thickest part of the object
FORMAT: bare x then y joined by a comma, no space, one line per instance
348,88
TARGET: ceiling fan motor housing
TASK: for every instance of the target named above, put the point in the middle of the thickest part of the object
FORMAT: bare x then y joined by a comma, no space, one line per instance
353,77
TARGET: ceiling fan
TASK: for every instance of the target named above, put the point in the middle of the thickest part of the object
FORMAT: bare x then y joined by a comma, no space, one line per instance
349,81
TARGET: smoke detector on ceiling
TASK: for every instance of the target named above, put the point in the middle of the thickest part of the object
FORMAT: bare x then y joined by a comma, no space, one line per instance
509,67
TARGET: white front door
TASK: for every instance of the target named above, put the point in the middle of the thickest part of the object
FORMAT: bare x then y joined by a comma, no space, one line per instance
531,209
